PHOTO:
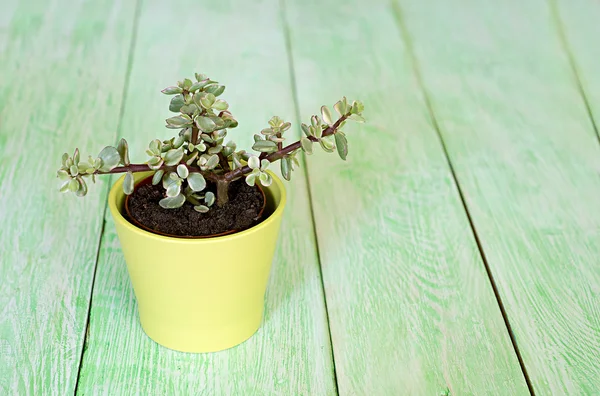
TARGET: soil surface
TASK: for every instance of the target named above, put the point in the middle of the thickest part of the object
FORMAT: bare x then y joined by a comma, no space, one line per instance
240,213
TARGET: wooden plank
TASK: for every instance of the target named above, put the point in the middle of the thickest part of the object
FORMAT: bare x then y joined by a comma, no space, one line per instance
63,66
527,159
290,354
577,21
411,309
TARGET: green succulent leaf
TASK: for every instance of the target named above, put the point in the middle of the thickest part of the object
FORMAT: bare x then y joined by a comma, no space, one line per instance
220,104
157,177
110,158
207,100
230,122
172,202
306,145
357,107
327,143
187,83
128,183
219,123
200,84
65,157
215,89
265,179
205,124
209,198
192,158
178,122
155,147
276,122
74,170
326,115
177,102
265,146
182,171
253,162
172,90
63,175
65,186
73,185
173,157
82,187
201,208
196,181
178,141
235,159
251,179
306,130
342,144
264,164
315,122
286,168
123,150
340,107
76,157
213,161
215,150
173,189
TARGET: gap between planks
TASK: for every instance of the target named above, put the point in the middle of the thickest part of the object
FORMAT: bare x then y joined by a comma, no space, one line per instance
293,86
134,31
562,37
405,36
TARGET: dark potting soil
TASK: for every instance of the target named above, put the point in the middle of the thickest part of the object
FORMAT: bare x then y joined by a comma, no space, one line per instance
241,212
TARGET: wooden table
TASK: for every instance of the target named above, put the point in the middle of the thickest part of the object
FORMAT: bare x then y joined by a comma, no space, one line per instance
457,251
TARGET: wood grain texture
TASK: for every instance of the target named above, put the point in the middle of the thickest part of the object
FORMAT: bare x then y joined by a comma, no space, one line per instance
411,309
528,160
241,45
578,21
62,68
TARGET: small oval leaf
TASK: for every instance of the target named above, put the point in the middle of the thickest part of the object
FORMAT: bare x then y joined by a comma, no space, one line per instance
110,158
172,202
157,177
123,150
173,156
326,115
128,183
196,181
306,144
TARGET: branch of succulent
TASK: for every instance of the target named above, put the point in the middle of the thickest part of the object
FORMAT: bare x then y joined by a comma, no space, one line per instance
184,163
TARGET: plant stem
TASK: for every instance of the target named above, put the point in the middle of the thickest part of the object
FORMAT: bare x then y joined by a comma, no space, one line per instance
144,168
222,192
195,134
239,172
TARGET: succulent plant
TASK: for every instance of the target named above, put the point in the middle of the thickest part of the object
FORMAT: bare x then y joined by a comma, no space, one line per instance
199,153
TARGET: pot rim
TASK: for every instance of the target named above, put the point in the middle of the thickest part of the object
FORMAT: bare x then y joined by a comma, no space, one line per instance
117,188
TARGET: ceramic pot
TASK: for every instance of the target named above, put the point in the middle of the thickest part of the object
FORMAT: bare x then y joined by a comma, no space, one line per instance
199,295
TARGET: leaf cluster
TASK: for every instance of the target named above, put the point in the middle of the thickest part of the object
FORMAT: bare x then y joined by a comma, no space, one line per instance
199,152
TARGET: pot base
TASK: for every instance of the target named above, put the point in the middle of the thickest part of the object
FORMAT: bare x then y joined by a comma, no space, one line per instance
209,340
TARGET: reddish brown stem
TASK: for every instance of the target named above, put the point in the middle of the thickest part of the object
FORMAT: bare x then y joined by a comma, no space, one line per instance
239,172
144,168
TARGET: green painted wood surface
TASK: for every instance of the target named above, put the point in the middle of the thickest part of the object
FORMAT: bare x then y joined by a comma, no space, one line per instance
579,22
52,96
527,159
290,354
411,309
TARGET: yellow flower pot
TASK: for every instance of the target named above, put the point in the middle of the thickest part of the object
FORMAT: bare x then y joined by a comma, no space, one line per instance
199,295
